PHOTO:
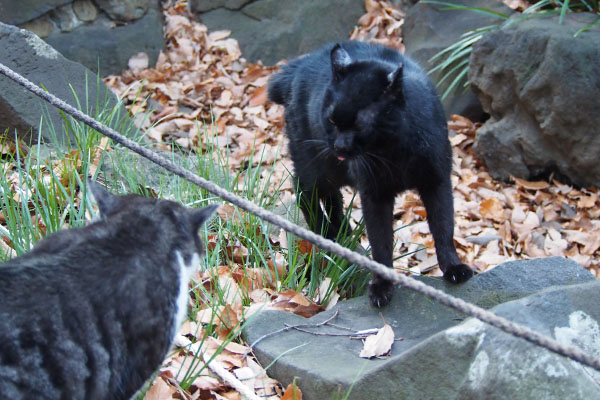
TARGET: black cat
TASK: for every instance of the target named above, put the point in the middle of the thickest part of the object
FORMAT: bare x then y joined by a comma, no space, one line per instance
366,116
90,313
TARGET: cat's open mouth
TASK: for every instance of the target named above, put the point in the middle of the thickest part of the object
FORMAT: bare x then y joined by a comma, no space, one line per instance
341,158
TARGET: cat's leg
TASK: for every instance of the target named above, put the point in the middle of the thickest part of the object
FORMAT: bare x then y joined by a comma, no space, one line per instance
439,205
307,198
378,215
334,206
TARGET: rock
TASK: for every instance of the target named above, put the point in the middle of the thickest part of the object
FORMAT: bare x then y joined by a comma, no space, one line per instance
42,27
540,86
20,110
200,6
124,10
26,10
102,43
65,19
85,10
429,29
438,357
270,30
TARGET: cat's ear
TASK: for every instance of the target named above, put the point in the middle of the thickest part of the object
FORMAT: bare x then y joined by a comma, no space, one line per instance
340,60
105,200
199,217
395,80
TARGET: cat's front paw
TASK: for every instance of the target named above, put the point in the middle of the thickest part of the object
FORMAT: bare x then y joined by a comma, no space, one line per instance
380,292
458,273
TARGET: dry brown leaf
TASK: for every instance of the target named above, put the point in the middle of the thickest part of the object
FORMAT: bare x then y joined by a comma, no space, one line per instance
259,97
538,185
160,390
379,344
492,208
588,201
292,392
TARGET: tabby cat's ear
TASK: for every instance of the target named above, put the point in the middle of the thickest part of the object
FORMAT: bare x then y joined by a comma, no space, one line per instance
105,200
340,60
395,80
199,217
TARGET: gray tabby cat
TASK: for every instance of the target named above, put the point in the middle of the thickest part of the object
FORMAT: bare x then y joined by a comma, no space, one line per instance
90,313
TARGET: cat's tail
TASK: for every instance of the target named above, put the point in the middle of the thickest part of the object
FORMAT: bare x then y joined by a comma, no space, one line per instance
280,86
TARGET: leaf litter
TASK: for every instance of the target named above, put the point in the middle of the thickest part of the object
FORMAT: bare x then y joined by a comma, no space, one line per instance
201,77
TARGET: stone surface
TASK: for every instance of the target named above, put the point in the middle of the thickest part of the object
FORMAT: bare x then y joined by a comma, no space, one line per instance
65,19
111,47
124,10
14,12
200,6
85,10
428,29
42,27
270,30
439,357
540,86
28,55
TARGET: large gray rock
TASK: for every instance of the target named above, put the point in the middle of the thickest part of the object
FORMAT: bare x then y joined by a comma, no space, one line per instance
120,10
20,110
105,33
429,29
101,43
540,86
14,12
439,357
270,30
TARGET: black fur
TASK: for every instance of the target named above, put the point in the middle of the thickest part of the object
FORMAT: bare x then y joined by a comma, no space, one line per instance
366,116
89,313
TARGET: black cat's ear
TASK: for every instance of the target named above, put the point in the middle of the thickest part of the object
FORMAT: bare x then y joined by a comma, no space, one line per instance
105,200
395,80
340,60
199,217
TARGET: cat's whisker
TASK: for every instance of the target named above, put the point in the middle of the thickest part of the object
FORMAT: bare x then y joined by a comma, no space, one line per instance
383,161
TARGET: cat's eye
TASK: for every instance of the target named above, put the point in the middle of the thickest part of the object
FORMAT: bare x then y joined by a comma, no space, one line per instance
332,122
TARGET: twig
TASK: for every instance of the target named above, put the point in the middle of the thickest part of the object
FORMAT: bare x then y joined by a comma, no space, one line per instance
287,328
228,377
297,328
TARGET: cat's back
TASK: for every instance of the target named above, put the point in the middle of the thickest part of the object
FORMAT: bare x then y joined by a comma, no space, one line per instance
64,330
90,313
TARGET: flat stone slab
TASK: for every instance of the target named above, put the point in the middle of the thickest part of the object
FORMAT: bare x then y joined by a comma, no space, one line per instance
422,364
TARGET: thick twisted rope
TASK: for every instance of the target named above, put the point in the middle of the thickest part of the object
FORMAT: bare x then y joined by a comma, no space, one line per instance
326,244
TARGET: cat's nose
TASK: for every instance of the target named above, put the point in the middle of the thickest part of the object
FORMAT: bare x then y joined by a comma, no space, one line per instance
343,145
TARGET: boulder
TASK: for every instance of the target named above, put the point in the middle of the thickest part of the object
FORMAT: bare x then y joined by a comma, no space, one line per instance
440,354
103,44
540,85
429,29
14,13
20,110
271,30
120,10
100,34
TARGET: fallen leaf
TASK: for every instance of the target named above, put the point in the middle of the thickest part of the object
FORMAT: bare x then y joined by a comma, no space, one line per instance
538,185
379,344
292,392
160,390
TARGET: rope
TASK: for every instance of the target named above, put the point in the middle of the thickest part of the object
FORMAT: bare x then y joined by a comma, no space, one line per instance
323,243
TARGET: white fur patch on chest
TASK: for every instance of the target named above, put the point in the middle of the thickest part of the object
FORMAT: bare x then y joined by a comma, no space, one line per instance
185,273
